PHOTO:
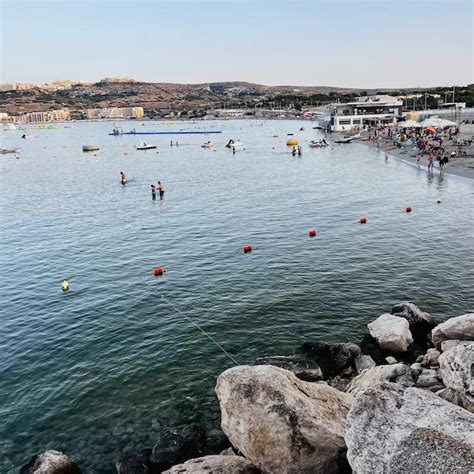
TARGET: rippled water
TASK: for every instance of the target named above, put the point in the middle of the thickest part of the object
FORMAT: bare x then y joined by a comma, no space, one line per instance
101,368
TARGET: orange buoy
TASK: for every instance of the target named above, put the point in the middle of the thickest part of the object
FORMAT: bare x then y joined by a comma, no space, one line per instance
408,209
363,220
312,233
247,248
159,271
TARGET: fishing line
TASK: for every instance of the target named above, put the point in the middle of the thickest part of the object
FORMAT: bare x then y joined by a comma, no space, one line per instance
200,328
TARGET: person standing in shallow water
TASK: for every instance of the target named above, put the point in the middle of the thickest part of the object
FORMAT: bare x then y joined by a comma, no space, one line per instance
123,178
153,192
161,189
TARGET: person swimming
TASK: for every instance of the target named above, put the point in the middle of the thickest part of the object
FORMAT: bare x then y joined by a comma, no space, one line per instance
161,189
153,192
123,178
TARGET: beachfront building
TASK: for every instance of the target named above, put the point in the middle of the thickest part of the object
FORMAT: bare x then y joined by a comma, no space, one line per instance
115,113
229,113
60,115
366,111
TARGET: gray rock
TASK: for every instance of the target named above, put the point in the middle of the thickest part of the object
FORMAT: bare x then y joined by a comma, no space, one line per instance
446,345
420,322
416,369
283,424
50,462
333,358
461,327
391,360
398,430
228,452
457,398
215,465
134,461
456,367
428,378
399,373
363,362
391,333
303,368
430,358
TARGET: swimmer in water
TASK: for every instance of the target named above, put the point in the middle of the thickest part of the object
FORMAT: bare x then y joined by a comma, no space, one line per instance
123,178
153,192
161,189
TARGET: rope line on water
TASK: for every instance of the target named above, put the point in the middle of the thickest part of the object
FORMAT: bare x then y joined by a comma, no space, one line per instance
200,328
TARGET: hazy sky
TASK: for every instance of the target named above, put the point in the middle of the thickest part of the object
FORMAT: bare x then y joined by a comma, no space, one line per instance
350,43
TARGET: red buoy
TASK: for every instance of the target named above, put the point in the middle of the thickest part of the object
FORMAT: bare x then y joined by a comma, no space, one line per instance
158,271
312,233
247,248
363,220
408,209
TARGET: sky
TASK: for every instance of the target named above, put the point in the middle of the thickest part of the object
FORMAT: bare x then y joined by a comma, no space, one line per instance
346,43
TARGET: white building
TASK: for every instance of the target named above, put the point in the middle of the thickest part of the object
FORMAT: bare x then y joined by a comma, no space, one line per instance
60,115
370,110
115,113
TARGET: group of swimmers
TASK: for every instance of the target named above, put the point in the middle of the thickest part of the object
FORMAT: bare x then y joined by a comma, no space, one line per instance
159,187
297,150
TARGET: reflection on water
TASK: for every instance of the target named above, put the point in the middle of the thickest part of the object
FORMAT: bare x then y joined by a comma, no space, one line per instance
104,366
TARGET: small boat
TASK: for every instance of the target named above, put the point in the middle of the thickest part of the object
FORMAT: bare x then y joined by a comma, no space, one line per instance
10,126
144,146
4,151
90,148
28,136
234,144
208,144
344,140
292,142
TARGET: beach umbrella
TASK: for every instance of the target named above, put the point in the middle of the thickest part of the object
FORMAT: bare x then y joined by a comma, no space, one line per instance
447,123
430,130
409,124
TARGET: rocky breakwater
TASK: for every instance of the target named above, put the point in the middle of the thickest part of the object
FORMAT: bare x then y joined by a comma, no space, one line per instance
400,401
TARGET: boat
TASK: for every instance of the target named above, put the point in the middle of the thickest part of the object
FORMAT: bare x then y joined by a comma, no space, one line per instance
292,142
4,151
90,148
344,140
28,136
208,144
234,144
10,126
144,146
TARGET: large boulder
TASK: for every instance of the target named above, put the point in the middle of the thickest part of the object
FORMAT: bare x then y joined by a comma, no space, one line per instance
391,333
420,323
303,368
215,465
456,367
399,373
461,327
283,424
50,462
398,430
333,358
177,445
134,461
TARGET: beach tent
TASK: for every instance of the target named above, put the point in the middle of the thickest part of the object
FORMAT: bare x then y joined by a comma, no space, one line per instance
409,124
437,123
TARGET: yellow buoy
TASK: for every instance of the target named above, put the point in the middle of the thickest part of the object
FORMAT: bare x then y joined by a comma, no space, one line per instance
65,285
292,142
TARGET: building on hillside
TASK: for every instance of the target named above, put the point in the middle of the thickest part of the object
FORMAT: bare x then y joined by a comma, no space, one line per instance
116,79
229,113
16,86
366,111
61,115
115,113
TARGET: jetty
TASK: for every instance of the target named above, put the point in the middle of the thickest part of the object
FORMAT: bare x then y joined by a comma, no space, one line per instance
174,132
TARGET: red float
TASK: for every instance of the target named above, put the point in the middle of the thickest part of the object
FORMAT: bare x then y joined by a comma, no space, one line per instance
312,233
363,220
408,209
158,271
247,248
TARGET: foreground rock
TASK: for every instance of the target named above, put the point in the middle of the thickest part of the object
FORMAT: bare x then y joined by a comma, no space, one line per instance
456,367
281,423
303,368
50,462
397,430
399,373
178,445
215,465
461,327
391,333
420,322
134,461
333,358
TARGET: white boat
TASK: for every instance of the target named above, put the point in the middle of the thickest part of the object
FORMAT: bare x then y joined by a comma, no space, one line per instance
4,151
144,146
86,148
208,144
10,126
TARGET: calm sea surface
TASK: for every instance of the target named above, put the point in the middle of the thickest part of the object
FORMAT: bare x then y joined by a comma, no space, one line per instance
103,367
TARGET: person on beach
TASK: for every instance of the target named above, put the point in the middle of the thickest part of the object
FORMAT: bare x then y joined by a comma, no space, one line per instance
418,160
153,192
161,189
430,162
123,178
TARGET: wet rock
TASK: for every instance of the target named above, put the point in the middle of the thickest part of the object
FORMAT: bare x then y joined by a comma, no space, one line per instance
178,445
215,465
363,362
50,462
456,367
461,327
399,373
368,345
303,368
391,333
216,441
283,424
135,461
333,358
420,323
398,430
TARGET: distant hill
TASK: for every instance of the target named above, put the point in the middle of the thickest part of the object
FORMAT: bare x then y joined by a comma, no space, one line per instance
163,97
